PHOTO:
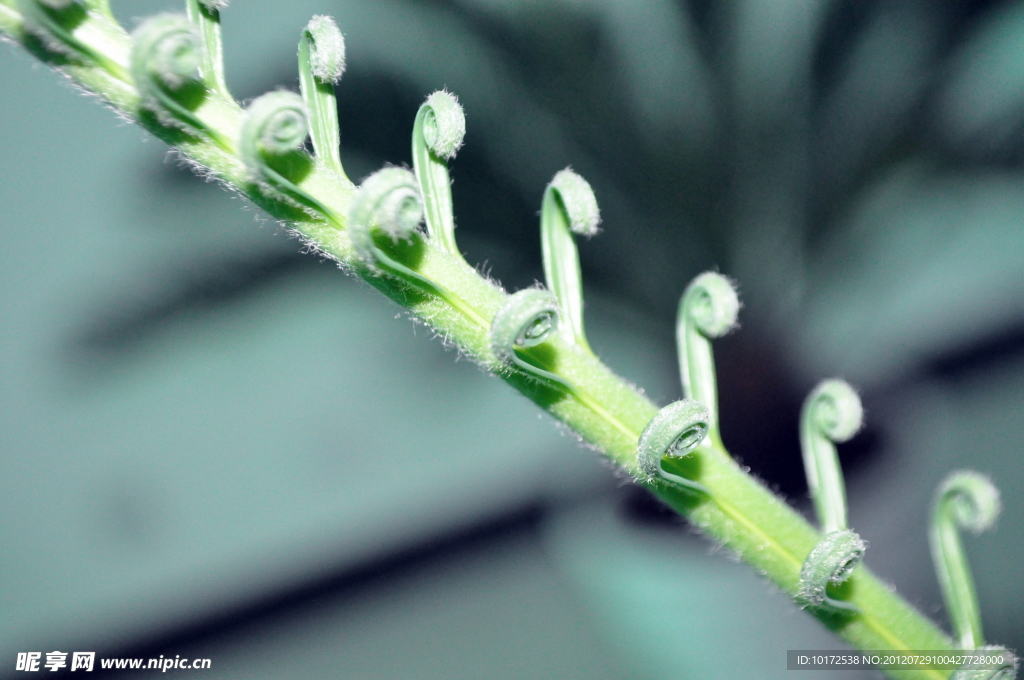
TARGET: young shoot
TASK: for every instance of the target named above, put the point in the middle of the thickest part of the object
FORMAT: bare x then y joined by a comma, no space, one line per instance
708,309
437,134
205,14
388,205
166,60
569,208
675,432
321,65
831,413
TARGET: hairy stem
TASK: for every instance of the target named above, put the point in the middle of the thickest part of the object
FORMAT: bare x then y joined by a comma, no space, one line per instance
606,411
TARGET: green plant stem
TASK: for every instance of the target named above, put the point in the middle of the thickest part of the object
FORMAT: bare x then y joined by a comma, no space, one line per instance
740,513
956,580
323,110
208,22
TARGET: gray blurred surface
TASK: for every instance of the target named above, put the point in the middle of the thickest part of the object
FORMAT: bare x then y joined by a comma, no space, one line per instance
500,612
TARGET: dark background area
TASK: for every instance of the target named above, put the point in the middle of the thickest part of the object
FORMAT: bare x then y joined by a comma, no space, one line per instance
217,446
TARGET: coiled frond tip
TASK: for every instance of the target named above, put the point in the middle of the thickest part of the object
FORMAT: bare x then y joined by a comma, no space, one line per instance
526,319
710,302
579,201
675,432
166,52
388,200
444,124
275,123
834,408
831,561
973,500
327,53
1007,670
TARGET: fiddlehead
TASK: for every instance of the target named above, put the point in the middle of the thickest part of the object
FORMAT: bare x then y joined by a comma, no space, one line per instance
388,206
708,309
389,202
69,27
1005,668
436,135
674,432
569,207
831,413
527,319
205,14
321,64
831,562
273,131
965,500
167,52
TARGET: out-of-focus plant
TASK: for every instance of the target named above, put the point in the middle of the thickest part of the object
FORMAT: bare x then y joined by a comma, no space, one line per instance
168,77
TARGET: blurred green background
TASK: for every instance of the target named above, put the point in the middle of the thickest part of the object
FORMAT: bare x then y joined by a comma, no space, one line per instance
214,446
